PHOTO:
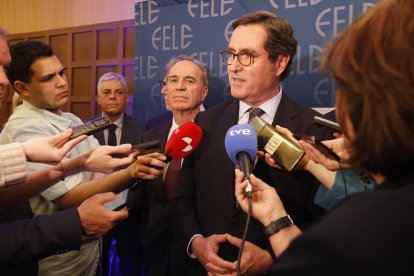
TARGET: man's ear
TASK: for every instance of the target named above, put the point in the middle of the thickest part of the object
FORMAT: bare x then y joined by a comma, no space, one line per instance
22,89
204,93
98,99
281,64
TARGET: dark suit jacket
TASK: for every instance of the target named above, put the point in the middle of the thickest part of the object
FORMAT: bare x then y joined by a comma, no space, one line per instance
371,233
161,120
153,200
161,256
25,241
132,129
126,233
205,203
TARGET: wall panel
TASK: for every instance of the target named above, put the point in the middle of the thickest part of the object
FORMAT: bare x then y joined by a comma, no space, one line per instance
83,46
60,46
24,16
107,44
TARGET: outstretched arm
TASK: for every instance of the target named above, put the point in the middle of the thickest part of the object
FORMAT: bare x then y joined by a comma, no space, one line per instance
267,207
97,159
142,168
50,149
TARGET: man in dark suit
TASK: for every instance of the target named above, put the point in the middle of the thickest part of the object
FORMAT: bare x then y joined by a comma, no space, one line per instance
186,87
204,208
112,98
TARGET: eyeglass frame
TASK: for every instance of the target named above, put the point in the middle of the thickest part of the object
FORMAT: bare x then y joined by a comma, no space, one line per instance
162,83
251,56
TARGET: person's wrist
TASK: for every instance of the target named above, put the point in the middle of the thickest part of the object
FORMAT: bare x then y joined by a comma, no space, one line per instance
72,165
310,165
26,150
81,163
132,172
273,216
277,225
194,245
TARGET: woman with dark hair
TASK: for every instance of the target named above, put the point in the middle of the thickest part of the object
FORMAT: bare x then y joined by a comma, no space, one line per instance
370,233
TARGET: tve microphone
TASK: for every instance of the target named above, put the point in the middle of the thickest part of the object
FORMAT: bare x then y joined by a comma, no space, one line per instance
241,146
183,141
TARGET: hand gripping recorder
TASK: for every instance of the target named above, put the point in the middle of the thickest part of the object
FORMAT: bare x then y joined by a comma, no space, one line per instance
285,152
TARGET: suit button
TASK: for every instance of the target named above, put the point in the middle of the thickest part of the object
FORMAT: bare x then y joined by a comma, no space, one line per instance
234,221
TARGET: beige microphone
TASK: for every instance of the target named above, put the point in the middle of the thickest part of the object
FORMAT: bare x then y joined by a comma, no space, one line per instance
285,152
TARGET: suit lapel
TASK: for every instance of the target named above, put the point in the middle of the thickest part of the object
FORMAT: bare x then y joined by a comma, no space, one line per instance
126,130
226,165
100,137
157,187
164,135
286,114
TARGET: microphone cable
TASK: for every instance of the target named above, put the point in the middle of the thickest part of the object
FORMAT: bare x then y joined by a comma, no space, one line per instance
246,228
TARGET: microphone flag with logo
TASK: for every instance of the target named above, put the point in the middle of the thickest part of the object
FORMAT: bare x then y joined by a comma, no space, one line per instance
183,141
241,146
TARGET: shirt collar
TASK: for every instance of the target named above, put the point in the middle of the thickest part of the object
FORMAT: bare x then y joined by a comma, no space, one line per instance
118,122
173,127
58,121
269,107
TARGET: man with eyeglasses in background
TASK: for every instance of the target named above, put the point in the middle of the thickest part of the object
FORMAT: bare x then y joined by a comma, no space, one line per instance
112,97
204,210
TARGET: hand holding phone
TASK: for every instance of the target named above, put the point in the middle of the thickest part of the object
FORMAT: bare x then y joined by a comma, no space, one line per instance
318,144
90,127
146,146
143,148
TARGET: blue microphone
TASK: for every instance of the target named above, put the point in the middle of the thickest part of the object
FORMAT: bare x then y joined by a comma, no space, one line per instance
241,146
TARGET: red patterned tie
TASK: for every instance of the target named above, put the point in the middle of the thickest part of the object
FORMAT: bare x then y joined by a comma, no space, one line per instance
171,178
255,111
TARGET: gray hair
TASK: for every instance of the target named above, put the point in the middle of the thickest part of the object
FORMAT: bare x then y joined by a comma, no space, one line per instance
113,76
176,60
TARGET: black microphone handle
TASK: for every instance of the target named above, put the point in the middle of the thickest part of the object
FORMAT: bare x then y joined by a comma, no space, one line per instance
169,158
245,167
135,185
244,163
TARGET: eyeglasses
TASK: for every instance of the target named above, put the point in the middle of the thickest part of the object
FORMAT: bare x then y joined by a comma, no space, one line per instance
245,58
161,83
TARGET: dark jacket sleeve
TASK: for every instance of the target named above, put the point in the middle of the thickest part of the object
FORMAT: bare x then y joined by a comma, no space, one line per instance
42,236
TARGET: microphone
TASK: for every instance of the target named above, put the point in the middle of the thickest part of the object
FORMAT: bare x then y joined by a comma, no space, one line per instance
241,146
183,141
285,152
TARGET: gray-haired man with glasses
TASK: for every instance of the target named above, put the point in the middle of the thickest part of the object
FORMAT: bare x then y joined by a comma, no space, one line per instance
204,210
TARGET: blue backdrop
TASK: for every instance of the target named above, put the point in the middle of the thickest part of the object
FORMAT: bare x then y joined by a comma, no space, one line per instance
202,28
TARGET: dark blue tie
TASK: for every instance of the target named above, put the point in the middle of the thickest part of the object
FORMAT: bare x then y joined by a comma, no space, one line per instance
112,136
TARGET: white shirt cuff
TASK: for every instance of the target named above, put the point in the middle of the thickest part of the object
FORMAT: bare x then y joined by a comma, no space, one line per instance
189,251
